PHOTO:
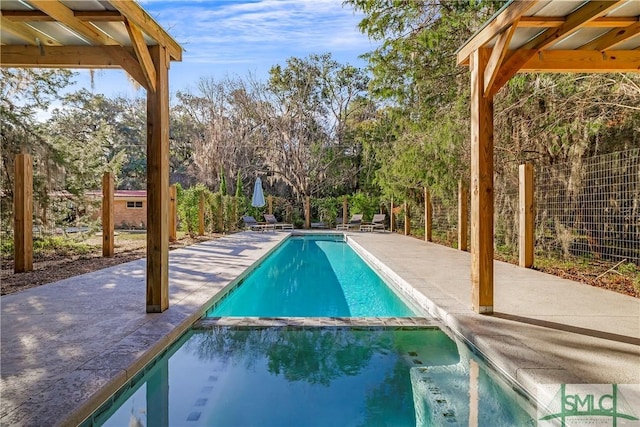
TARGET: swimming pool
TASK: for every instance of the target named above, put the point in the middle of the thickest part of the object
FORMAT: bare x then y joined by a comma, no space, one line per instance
383,373
313,276
317,377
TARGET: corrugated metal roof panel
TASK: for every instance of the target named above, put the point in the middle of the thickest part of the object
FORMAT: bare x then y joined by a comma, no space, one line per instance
115,30
579,38
84,5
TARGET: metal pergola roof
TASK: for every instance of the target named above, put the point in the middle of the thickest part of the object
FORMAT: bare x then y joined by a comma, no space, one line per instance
65,34
558,36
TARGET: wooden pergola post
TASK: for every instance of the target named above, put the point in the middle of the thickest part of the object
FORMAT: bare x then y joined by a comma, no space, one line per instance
428,216
481,187
173,213
345,212
526,214
23,214
463,215
108,244
158,185
270,202
307,212
201,215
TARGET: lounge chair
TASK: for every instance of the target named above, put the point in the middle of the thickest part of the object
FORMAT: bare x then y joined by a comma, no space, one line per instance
271,220
253,225
354,222
377,223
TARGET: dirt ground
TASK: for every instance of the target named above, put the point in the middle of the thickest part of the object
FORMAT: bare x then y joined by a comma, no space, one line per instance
51,267
56,266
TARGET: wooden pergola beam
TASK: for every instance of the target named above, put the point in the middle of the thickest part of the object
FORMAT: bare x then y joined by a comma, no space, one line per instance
142,52
28,34
39,16
64,15
497,56
506,18
591,61
104,57
557,21
147,24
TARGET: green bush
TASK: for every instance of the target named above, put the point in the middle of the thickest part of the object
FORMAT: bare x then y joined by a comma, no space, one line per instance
327,209
6,247
361,203
189,207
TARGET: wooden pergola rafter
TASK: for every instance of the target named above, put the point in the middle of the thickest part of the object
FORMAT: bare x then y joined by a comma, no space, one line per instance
533,36
99,34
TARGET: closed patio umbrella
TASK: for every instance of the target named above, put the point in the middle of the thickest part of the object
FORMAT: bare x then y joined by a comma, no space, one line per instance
258,196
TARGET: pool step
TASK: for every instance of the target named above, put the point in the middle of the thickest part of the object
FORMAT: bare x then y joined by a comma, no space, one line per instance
360,322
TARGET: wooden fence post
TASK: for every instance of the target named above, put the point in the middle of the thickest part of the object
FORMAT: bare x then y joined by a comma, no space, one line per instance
525,234
463,215
392,218
220,218
407,220
307,213
345,206
428,216
234,226
173,216
270,201
201,215
108,243
23,214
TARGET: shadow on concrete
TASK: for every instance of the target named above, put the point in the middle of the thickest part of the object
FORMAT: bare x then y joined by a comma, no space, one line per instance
568,328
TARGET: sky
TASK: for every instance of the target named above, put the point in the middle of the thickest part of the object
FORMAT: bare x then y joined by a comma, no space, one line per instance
236,37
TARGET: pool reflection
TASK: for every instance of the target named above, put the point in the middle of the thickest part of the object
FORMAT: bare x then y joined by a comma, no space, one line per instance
311,377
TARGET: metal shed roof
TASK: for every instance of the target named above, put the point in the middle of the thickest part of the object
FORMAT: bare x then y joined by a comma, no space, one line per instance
558,36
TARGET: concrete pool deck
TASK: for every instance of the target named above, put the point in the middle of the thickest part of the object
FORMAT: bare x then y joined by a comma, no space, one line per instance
68,345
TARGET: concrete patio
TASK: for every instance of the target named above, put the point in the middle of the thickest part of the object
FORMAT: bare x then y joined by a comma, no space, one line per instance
68,345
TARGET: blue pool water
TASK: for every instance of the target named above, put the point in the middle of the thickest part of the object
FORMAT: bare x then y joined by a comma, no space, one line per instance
313,276
316,377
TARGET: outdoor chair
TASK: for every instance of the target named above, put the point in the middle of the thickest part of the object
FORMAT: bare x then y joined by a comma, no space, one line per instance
271,220
354,222
377,223
253,225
